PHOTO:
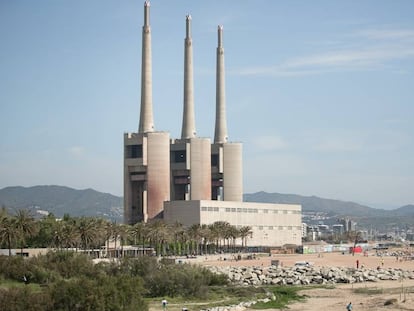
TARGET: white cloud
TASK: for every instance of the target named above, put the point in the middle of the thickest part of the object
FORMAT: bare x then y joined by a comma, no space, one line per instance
388,34
338,145
268,143
376,49
76,151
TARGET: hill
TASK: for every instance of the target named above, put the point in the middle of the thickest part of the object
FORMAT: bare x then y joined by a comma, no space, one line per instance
365,216
61,200
316,204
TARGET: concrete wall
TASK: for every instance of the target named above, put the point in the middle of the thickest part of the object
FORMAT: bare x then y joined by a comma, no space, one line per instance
200,169
158,172
232,172
272,224
146,175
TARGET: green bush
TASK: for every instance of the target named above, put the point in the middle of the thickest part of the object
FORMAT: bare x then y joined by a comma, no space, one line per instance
104,293
24,299
181,280
67,264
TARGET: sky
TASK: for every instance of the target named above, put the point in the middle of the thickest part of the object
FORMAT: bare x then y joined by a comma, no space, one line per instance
321,93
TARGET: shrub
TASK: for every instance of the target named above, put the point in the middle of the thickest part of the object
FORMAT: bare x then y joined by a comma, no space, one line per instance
104,293
66,264
24,299
181,280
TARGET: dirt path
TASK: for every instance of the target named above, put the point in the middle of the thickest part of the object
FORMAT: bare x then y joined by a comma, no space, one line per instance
341,295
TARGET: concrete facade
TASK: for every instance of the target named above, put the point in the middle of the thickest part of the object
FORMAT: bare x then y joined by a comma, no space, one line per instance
146,175
191,180
190,169
272,224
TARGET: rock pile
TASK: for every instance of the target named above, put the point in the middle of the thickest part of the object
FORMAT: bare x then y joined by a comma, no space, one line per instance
305,275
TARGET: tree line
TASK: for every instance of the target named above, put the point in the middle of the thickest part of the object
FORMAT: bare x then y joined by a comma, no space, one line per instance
22,230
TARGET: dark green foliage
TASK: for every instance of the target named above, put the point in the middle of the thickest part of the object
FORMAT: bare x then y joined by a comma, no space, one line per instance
180,280
70,281
142,266
66,263
103,293
23,298
168,279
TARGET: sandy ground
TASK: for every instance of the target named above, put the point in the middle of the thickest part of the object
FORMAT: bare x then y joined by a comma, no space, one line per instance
327,259
337,298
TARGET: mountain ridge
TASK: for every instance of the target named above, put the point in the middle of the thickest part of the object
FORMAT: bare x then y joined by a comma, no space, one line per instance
61,200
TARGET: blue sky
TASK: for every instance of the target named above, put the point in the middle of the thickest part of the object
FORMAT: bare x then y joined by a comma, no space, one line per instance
321,93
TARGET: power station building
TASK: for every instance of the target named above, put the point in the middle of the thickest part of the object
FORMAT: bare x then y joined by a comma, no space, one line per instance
192,180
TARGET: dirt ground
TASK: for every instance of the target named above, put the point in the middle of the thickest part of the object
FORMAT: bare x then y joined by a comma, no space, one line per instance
400,292
374,297
324,259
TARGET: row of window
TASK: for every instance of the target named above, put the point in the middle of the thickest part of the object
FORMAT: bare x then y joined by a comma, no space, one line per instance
280,227
246,210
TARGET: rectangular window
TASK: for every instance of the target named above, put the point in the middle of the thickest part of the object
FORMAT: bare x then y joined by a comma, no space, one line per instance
228,209
270,227
214,160
179,156
204,208
260,227
265,211
216,209
134,151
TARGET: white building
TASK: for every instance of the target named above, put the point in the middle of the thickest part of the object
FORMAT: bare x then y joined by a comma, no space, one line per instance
272,224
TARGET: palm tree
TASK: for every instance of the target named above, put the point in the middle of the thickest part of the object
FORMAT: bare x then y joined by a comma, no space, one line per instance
139,232
123,232
88,234
158,234
206,235
26,227
232,233
194,232
218,230
8,229
245,232
180,238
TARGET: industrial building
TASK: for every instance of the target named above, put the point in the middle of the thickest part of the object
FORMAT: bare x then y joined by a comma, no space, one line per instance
192,180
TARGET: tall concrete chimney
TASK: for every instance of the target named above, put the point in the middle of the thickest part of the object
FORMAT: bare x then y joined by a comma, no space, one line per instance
188,129
146,120
220,133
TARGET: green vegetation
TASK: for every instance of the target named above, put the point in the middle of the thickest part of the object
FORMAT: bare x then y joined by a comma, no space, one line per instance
21,230
67,279
280,297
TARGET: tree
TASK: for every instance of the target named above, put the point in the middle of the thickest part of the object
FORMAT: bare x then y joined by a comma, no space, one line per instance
194,233
245,232
8,231
26,227
87,230
139,232
158,234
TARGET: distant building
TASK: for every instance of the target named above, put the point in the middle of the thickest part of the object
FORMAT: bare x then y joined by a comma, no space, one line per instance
348,224
338,229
